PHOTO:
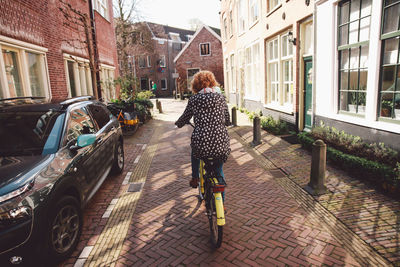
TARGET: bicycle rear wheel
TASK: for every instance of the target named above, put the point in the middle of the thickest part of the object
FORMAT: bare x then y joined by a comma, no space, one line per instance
215,229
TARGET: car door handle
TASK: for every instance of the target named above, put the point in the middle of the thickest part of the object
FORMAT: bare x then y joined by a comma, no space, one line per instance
99,141
112,128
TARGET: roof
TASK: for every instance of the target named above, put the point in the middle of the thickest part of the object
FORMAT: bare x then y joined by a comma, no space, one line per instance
163,31
194,37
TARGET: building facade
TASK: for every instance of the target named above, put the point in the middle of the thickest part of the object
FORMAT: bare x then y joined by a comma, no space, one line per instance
151,58
44,52
203,52
357,77
267,49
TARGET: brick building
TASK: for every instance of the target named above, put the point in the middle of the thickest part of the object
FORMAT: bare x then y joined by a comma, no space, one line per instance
43,51
203,52
151,58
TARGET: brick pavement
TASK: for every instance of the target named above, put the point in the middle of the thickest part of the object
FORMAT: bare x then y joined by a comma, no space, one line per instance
271,220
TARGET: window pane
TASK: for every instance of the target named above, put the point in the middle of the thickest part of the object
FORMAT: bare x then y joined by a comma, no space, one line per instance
364,56
344,59
344,13
284,46
361,99
276,49
71,78
388,77
386,105
388,2
13,73
355,10
390,50
344,35
35,74
286,71
363,79
353,35
391,19
364,29
354,57
353,80
365,8
344,81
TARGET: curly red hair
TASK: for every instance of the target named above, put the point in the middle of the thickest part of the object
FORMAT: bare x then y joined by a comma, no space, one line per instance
203,79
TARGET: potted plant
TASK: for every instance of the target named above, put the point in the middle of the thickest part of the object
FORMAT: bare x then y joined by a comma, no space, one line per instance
352,106
386,108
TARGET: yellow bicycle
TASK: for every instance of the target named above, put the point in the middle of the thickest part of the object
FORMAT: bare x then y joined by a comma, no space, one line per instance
210,190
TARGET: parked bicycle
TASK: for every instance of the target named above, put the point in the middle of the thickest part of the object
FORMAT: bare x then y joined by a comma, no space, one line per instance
128,119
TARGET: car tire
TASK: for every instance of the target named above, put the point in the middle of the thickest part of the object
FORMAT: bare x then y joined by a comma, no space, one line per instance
119,159
65,227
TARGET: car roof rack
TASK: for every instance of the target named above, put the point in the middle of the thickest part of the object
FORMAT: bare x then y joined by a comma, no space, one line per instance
76,99
22,97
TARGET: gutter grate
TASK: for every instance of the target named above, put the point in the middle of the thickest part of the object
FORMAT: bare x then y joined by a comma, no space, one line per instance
135,187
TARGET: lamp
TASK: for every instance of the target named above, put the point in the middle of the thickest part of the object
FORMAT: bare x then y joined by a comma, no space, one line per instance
291,39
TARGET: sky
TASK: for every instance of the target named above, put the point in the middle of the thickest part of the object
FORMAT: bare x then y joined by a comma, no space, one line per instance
177,13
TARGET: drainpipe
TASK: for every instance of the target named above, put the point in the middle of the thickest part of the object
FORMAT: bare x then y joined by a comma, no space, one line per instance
95,51
314,66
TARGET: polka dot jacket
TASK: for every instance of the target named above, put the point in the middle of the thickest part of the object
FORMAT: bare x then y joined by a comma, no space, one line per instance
210,137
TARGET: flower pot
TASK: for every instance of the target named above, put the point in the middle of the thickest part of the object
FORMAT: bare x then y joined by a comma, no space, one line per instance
397,113
352,108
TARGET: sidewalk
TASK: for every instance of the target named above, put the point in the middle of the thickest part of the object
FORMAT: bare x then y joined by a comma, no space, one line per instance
271,220
372,216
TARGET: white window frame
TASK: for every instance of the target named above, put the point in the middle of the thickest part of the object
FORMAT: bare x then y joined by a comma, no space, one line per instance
252,71
230,23
227,74
142,66
81,73
209,49
272,8
148,61
101,6
241,16
166,84
107,82
225,24
278,86
22,48
233,73
162,59
254,12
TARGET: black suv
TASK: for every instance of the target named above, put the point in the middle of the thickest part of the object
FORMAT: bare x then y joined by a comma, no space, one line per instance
53,158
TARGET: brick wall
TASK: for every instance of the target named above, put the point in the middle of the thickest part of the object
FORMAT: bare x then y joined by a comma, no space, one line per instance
40,22
191,57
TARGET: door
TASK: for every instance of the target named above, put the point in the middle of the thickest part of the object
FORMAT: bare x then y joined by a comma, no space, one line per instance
308,77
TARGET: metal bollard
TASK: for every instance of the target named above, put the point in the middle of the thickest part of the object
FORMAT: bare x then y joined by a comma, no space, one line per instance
159,107
234,116
157,103
316,186
256,132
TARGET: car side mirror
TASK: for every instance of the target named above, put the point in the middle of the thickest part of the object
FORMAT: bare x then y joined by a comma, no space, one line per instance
85,140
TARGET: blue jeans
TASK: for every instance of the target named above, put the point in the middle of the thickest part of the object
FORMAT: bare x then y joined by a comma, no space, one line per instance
196,171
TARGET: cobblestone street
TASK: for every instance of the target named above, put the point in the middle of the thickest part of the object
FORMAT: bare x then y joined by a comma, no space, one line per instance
271,220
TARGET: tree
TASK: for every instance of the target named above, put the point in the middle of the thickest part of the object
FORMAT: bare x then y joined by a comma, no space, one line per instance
195,24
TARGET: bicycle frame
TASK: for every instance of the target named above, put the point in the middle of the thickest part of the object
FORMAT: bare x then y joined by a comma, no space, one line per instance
213,183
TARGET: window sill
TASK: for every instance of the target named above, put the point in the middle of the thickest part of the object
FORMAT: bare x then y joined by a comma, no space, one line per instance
254,23
273,10
280,108
163,89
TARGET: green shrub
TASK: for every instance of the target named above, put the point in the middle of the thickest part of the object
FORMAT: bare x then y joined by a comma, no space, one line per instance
354,145
273,126
363,168
252,115
144,94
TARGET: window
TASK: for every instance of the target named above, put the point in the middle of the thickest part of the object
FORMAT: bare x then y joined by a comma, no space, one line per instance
227,73
148,61
230,23
205,49
24,73
233,74
102,7
353,35
389,90
273,4
174,36
241,20
164,84
100,115
280,71
107,83
79,78
226,29
142,61
190,74
162,61
79,123
144,84
253,11
252,59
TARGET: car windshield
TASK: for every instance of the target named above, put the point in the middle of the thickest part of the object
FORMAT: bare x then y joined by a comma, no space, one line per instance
30,133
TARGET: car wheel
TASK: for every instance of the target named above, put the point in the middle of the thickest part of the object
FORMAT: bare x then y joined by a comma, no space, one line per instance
119,160
65,227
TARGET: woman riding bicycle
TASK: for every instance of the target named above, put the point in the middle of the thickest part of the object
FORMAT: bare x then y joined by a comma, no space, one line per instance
210,137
